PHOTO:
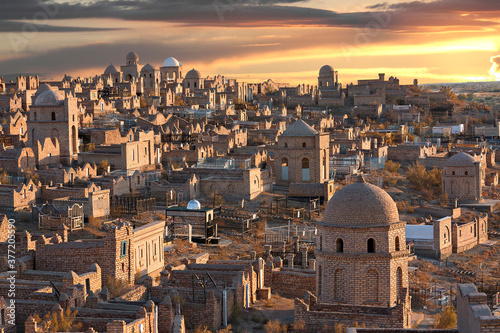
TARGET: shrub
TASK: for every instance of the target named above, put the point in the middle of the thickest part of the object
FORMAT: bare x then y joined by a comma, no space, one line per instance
57,322
274,326
392,166
446,319
423,180
299,326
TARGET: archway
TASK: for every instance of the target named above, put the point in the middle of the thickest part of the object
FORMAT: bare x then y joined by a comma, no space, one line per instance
306,175
74,138
284,168
339,244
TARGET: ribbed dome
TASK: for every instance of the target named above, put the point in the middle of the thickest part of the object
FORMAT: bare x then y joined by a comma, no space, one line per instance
171,62
147,68
49,98
461,159
193,74
111,69
327,69
361,204
132,56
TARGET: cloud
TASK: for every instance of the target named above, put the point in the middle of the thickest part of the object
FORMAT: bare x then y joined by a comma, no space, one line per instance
259,13
16,26
495,67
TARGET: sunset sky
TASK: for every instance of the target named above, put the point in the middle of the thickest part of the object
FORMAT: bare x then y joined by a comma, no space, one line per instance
253,40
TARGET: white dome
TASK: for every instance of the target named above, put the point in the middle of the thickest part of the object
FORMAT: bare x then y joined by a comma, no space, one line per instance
171,62
194,205
49,98
110,70
43,88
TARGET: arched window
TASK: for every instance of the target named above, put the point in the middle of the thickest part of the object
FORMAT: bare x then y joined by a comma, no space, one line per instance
306,175
399,283
53,116
371,245
453,173
304,144
74,139
321,243
397,243
339,245
195,84
286,145
284,168
34,115
466,173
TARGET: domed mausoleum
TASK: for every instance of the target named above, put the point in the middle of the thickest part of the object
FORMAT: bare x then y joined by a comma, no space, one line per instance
361,262
462,178
171,69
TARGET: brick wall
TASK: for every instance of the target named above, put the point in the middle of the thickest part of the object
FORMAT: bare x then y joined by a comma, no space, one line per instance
137,294
316,317
293,282
78,256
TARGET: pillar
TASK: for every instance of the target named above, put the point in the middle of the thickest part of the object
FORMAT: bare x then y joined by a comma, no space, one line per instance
303,252
261,274
290,257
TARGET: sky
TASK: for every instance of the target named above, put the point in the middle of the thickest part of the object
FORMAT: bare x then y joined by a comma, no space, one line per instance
287,41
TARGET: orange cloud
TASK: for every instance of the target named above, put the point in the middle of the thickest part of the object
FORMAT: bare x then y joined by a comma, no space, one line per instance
495,67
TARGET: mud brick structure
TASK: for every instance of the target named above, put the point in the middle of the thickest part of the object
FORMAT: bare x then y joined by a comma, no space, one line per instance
362,263
19,197
47,216
15,160
53,116
463,177
302,161
123,253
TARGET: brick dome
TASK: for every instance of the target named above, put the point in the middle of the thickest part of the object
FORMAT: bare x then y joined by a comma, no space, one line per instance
461,159
327,69
193,74
49,98
361,204
132,56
